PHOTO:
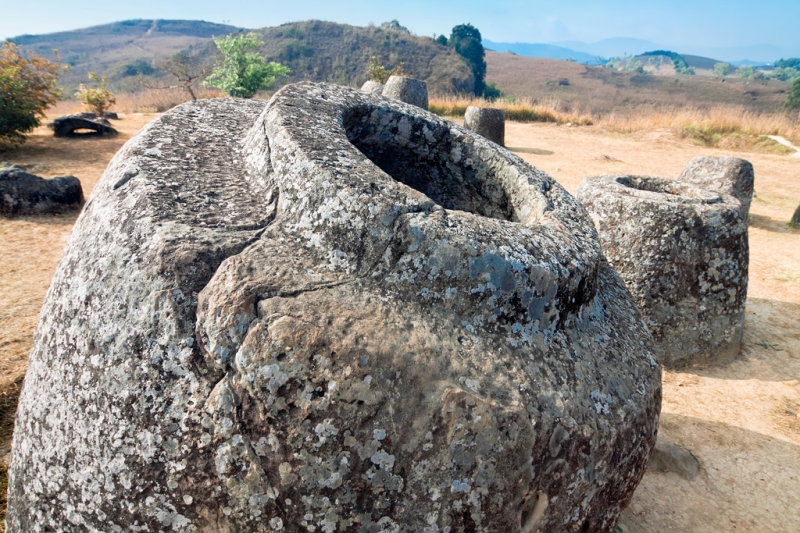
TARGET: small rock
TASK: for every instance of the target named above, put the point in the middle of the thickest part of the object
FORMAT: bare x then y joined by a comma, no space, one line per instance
668,457
112,115
372,87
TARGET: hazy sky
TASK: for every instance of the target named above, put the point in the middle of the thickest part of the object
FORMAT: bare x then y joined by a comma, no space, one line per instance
722,23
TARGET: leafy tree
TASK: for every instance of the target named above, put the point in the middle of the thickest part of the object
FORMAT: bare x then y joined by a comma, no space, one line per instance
745,72
243,72
793,101
785,74
379,73
27,88
395,25
98,100
442,39
467,41
792,62
722,69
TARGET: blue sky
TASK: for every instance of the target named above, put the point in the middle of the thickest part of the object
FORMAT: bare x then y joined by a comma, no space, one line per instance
676,23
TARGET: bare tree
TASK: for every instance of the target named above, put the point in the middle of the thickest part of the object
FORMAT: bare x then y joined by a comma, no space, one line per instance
186,67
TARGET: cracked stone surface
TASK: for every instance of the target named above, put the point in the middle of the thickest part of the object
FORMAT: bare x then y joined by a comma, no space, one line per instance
332,312
681,247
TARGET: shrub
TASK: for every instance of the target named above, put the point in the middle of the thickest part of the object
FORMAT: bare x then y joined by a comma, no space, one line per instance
379,73
793,102
746,72
98,100
27,88
243,72
722,69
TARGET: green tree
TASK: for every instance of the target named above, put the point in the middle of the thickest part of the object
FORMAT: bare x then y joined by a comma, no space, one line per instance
722,69
242,71
395,25
442,39
467,41
745,72
793,101
98,100
27,88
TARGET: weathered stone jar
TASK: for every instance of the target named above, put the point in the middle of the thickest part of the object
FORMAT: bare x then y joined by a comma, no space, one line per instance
408,90
487,122
333,311
681,247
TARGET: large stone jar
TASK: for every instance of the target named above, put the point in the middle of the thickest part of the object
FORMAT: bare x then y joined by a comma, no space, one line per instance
681,247
332,312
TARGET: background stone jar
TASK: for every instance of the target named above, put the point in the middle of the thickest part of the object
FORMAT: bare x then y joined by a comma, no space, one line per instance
681,247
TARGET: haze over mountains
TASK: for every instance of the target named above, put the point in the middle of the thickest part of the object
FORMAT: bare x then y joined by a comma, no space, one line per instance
621,46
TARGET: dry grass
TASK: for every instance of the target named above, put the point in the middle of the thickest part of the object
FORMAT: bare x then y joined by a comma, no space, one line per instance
143,101
517,110
709,125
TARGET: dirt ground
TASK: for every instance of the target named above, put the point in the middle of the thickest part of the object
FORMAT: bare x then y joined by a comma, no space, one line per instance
741,421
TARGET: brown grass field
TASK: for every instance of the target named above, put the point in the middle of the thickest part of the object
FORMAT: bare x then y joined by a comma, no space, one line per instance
601,91
742,420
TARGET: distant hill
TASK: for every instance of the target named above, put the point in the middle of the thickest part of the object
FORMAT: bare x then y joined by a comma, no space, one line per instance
339,53
314,50
615,46
111,48
540,50
700,61
603,90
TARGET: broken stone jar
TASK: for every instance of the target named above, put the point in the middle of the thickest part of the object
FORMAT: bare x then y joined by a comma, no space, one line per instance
331,312
681,247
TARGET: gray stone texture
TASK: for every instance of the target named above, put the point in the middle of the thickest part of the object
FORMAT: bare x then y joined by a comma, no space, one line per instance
67,125
668,457
796,217
372,87
332,311
408,90
681,247
488,122
23,193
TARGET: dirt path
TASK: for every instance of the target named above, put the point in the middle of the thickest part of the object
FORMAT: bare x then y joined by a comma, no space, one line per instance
741,421
779,139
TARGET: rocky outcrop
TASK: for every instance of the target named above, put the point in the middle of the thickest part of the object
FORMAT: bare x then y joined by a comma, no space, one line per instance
67,125
488,122
681,247
408,90
333,311
23,193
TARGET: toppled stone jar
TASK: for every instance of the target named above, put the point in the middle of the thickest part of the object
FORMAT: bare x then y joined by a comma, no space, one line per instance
333,311
22,193
681,247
